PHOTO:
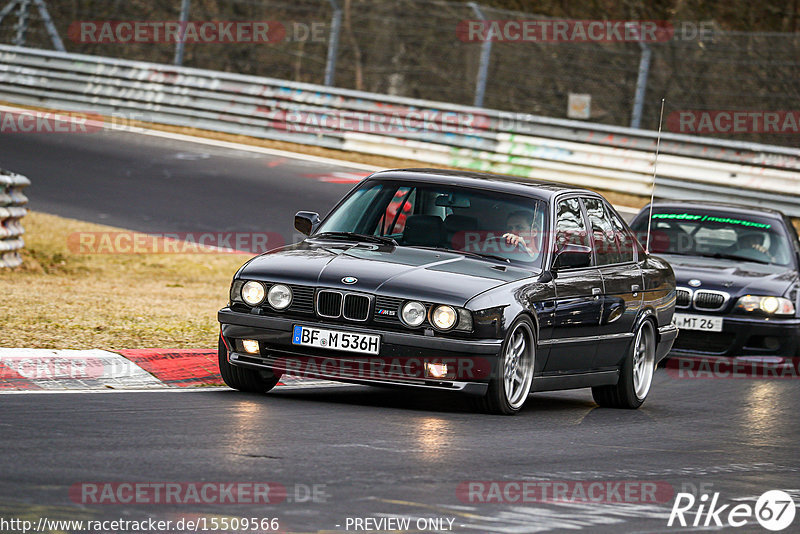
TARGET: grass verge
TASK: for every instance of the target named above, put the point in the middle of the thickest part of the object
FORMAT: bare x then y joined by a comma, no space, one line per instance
59,299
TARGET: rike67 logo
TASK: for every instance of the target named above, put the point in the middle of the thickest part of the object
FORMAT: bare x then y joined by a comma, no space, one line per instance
774,510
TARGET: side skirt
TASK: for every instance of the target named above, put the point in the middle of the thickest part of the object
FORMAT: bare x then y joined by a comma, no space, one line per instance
575,380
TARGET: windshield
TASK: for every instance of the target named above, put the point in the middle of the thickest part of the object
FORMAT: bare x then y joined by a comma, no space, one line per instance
716,233
495,225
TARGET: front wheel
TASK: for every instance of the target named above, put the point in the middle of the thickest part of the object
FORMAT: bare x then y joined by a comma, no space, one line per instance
511,382
251,380
636,374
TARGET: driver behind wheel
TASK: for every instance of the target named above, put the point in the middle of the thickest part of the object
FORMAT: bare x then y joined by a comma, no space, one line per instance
519,226
753,245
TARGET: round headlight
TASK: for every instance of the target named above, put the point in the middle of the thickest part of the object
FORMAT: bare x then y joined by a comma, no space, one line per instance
279,296
253,293
770,304
444,317
413,313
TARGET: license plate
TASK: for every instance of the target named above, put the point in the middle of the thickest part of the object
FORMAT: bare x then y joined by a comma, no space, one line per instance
698,322
336,340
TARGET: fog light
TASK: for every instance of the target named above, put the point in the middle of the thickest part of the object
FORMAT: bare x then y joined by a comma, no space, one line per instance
250,345
772,343
435,370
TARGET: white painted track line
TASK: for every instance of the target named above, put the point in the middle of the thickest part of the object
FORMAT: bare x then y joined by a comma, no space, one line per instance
215,142
167,389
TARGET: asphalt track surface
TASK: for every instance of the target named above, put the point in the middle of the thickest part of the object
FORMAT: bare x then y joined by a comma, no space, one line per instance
370,452
158,185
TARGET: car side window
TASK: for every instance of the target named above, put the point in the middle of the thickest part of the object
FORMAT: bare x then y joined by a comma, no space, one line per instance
603,234
793,237
625,240
570,226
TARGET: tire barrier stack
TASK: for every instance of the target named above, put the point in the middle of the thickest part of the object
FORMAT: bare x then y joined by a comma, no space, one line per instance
12,210
580,153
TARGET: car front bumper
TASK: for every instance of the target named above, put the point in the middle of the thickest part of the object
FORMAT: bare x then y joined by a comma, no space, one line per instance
743,336
400,362
667,335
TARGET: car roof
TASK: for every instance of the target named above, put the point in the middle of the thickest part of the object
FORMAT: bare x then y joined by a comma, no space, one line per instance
741,209
540,189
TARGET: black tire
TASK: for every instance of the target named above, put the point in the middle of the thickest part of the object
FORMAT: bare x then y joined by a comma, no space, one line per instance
242,379
624,393
496,401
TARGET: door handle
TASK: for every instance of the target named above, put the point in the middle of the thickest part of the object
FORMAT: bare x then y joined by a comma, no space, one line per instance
596,291
635,288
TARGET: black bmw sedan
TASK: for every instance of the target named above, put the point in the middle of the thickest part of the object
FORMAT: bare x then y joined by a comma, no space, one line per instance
493,286
737,275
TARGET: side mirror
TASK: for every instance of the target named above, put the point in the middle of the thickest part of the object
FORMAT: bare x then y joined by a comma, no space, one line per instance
572,257
306,221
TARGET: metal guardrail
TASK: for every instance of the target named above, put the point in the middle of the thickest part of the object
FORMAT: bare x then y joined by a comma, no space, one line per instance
580,153
12,210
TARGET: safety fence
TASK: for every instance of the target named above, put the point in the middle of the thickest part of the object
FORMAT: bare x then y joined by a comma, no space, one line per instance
581,153
12,210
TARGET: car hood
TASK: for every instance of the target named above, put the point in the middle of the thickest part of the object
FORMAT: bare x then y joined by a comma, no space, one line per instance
735,277
403,272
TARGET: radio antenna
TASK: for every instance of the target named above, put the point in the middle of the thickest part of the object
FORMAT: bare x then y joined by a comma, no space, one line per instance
655,170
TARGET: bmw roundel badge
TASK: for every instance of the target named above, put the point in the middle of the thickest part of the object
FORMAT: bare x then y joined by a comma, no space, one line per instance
349,280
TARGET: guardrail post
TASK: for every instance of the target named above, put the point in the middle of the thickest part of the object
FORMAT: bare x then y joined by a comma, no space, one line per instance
12,210
641,85
180,45
333,43
483,67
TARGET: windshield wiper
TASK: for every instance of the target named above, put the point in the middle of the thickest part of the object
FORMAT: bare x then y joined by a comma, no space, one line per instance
383,240
715,255
720,256
481,255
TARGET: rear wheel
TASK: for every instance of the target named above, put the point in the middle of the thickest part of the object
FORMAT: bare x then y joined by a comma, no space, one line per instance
511,383
251,380
636,374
